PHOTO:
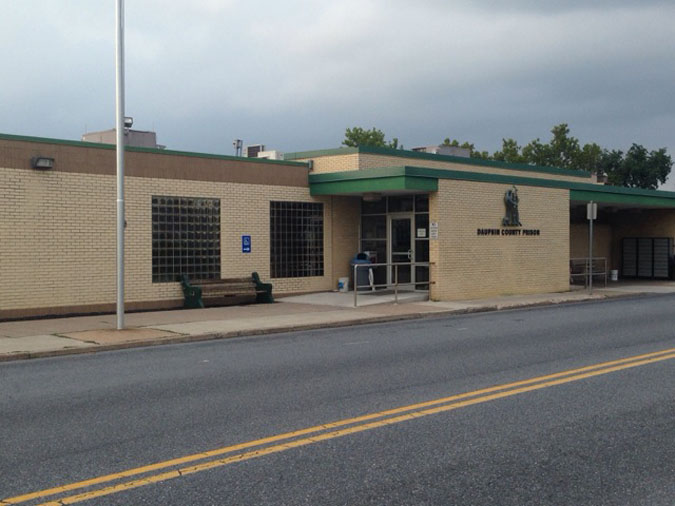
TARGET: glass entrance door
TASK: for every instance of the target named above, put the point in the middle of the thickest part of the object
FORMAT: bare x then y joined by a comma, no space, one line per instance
401,248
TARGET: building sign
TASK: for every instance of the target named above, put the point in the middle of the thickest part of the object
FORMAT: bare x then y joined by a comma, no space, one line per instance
433,230
508,231
245,243
511,219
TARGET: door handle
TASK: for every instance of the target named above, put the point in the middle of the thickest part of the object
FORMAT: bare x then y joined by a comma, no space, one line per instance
409,254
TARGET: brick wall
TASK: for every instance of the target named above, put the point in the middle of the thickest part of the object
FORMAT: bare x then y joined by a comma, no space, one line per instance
345,228
466,265
602,242
336,163
57,238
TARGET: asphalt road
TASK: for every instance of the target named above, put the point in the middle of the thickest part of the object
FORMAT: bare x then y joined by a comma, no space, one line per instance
603,435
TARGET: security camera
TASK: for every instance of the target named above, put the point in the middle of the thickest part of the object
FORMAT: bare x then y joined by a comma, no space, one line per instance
128,122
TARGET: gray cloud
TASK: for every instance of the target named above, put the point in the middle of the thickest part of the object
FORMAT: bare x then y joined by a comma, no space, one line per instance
295,75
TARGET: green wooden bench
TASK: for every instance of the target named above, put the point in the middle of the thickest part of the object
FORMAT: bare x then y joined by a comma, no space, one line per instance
225,292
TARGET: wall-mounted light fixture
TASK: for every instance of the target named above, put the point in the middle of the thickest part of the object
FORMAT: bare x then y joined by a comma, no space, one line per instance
42,162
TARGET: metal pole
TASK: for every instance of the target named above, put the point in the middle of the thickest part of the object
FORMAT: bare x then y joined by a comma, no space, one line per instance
119,95
396,284
355,284
590,251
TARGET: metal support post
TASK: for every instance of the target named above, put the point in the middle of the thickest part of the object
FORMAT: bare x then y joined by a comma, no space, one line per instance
355,285
119,95
591,214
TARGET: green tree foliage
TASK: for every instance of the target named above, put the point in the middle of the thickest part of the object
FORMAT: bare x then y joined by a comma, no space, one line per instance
374,137
638,168
474,153
510,152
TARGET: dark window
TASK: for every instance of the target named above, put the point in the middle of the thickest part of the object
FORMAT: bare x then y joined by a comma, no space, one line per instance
296,239
185,238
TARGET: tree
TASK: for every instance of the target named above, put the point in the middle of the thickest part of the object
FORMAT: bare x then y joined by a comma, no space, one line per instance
374,137
510,152
473,153
638,168
563,150
590,158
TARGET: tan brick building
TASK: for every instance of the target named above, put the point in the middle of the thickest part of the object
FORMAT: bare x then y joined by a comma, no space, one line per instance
442,218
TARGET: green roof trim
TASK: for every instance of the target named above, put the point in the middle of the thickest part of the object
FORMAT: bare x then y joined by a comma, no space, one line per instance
619,198
378,185
133,149
442,158
367,180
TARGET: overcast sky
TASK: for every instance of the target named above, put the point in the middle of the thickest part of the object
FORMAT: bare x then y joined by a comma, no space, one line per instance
294,74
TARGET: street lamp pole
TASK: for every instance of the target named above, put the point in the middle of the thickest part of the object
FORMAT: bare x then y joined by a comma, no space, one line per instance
119,95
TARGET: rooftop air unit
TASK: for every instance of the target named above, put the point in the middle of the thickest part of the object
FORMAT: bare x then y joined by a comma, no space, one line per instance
253,150
271,155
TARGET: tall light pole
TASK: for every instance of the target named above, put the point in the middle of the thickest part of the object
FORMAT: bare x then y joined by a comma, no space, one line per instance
119,95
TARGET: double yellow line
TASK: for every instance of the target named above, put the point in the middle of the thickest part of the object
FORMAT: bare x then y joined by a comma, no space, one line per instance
281,442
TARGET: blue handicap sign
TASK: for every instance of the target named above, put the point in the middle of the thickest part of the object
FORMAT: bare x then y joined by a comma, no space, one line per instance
245,243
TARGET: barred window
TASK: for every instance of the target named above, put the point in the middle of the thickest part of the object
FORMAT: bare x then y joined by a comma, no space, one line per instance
296,239
185,238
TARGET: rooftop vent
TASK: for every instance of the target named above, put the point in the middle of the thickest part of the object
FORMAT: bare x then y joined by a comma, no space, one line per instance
445,150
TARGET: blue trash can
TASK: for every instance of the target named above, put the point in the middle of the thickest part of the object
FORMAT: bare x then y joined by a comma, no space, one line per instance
362,273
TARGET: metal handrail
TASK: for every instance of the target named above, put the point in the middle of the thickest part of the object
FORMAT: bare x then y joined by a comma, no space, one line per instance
585,263
387,285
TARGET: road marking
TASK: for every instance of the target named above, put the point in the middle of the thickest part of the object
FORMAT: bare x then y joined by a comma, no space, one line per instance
416,410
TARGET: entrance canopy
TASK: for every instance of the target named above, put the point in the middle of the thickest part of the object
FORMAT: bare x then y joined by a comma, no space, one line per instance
420,179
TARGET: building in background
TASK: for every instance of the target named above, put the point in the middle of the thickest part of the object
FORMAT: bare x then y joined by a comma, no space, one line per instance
133,138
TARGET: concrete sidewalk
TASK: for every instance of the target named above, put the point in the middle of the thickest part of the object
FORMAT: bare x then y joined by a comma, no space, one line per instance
61,336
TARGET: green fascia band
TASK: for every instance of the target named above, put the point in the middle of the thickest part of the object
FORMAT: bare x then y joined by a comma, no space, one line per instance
616,198
375,185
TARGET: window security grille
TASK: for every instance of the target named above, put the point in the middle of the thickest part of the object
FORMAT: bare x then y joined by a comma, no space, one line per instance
296,239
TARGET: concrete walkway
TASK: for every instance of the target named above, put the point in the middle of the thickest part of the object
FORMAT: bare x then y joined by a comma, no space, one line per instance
60,336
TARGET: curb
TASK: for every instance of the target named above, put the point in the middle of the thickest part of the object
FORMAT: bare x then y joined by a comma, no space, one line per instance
185,338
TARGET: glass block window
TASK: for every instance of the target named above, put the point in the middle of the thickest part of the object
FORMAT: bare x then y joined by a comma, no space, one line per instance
296,239
185,238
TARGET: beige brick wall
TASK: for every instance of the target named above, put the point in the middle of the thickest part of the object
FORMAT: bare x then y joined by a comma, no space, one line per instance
602,242
466,265
345,240
57,239
644,223
57,236
337,163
